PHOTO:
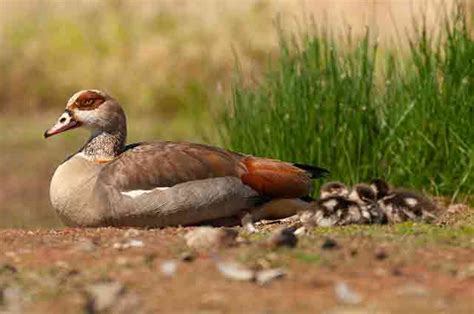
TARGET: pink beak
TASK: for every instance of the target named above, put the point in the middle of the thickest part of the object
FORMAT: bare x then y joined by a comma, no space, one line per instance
65,122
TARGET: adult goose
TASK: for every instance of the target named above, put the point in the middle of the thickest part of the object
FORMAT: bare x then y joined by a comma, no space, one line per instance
155,184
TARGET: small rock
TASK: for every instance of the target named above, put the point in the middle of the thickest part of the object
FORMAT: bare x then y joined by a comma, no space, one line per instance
168,268
187,257
132,243
346,295
397,272
353,252
265,276
329,244
235,271
102,296
283,237
207,238
380,253
301,231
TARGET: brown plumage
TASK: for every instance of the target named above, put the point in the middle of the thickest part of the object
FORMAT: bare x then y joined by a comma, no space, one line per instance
136,168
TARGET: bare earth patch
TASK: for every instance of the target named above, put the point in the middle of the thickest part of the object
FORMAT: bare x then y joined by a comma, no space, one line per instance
392,269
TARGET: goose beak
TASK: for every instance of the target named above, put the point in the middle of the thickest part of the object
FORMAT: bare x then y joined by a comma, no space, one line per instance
64,123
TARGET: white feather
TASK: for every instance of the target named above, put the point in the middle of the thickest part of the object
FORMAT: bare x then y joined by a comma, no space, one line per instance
137,193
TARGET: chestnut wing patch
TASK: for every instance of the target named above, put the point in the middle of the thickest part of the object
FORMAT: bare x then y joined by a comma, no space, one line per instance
276,178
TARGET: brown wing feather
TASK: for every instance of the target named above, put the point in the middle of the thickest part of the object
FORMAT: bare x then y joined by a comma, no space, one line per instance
164,164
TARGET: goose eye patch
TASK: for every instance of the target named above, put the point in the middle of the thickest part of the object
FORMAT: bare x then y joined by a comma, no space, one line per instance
88,100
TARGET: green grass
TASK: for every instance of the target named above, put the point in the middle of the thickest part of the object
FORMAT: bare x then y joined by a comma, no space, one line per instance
364,113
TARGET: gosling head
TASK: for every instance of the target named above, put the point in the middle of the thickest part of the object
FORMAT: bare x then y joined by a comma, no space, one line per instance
334,189
380,187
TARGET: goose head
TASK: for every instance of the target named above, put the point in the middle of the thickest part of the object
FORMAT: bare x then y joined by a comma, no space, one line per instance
92,109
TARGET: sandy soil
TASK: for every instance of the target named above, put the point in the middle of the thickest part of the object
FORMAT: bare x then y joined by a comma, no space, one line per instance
387,269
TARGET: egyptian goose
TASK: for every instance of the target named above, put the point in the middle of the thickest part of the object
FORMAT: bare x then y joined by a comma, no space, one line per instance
401,205
158,183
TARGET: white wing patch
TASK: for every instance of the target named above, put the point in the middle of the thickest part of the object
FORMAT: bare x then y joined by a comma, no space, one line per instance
137,193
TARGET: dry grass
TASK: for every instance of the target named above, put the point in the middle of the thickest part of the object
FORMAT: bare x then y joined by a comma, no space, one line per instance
165,56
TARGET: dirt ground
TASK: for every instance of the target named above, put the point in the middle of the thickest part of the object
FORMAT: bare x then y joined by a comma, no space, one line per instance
410,268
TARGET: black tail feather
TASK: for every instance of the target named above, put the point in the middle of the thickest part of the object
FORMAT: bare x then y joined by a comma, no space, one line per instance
315,172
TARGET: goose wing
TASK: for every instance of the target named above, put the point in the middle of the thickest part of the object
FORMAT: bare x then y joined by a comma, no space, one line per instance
153,165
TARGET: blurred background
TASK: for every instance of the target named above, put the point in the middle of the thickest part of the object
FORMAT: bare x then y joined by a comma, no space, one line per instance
174,66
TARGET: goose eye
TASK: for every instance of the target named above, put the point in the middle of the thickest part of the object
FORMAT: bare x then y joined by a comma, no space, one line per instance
89,102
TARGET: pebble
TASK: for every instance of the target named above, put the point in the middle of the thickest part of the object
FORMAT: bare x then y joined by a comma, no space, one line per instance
132,243
283,237
187,257
380,253
301,231
208,238
329,244
265,276
168,268
346,295
235,271
102,296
